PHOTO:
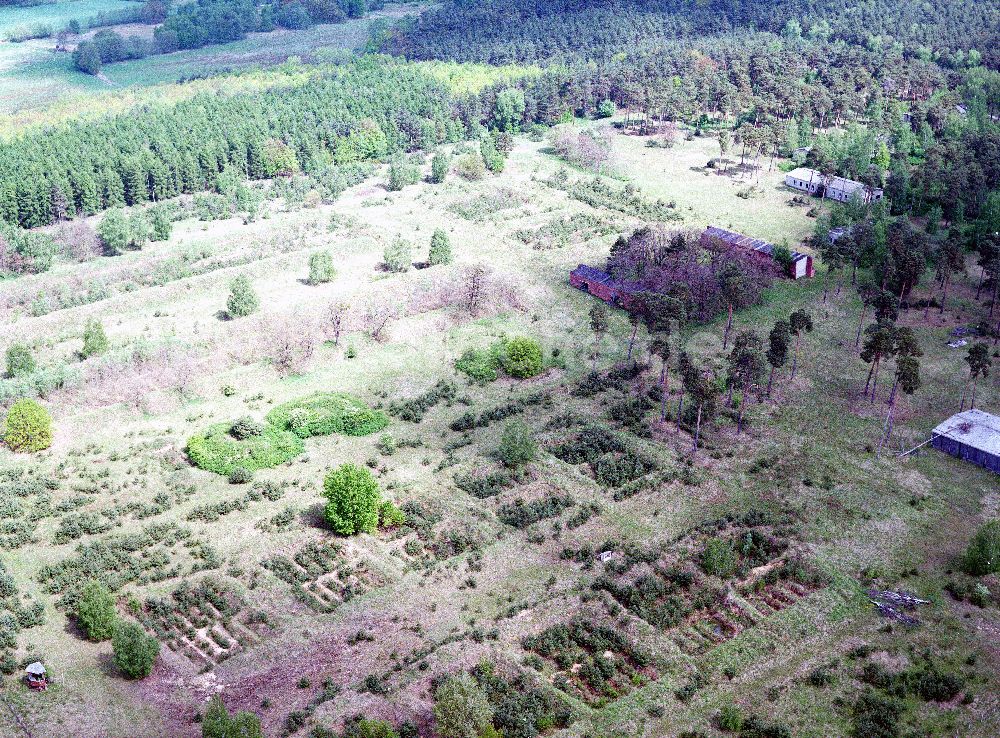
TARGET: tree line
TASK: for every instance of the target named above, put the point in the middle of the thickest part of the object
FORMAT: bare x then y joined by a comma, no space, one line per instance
207,22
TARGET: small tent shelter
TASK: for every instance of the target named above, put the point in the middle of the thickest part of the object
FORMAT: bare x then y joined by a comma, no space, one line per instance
37,678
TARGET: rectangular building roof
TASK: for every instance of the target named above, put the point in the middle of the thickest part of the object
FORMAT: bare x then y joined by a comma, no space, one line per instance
738,239
593,274
834,183
973,428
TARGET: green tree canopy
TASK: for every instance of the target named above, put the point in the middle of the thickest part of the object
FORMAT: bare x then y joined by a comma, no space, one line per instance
353,500
242,300
134,650
461,708
95,611
28,427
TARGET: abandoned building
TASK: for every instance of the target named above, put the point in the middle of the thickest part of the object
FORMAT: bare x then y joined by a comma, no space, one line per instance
835,188
603,286
973,436
801,265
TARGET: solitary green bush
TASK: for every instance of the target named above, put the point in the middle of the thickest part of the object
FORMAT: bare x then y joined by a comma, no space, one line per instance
95,612
240,475
28,427
440,252
398,256
439,167
95,341
135,651
522,357
479,364
471,167
517,444
461,708
242,299
390,516
730,718
218,723
353,500
160,223
218,450
327,412
983,554
114,232
401,174
20,362
321,267
718,558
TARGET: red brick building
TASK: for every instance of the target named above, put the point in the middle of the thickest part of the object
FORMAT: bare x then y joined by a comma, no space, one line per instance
603,286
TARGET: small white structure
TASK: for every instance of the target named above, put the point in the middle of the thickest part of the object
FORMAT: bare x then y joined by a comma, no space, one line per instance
836,188
972,436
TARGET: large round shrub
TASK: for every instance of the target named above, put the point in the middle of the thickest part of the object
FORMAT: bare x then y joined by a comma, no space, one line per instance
28,427
983,554
353,500
95,612
327,412
522,357
135,651
218,450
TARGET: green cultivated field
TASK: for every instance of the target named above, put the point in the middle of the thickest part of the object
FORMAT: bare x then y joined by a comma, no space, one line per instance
472,574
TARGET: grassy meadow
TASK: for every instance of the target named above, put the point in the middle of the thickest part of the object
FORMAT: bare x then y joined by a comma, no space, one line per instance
470,577
39,81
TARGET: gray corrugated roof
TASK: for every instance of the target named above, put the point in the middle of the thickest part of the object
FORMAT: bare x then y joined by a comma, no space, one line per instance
973,428
834,183
593,274
754,244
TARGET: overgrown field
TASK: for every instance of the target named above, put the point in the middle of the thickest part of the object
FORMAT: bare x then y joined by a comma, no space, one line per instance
37,78
736,575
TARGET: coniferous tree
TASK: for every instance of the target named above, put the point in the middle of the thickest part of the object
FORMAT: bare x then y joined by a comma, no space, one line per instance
746,368
242,300
440,250
777,349
95,341
798,323
980,362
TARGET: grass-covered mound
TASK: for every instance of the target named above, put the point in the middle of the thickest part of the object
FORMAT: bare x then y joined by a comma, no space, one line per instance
327,412
221,450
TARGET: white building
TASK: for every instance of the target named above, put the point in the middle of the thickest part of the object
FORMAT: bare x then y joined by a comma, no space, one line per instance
836,188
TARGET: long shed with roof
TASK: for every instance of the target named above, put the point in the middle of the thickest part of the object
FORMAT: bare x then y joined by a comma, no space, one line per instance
801,265
602,285
836,188
973,436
